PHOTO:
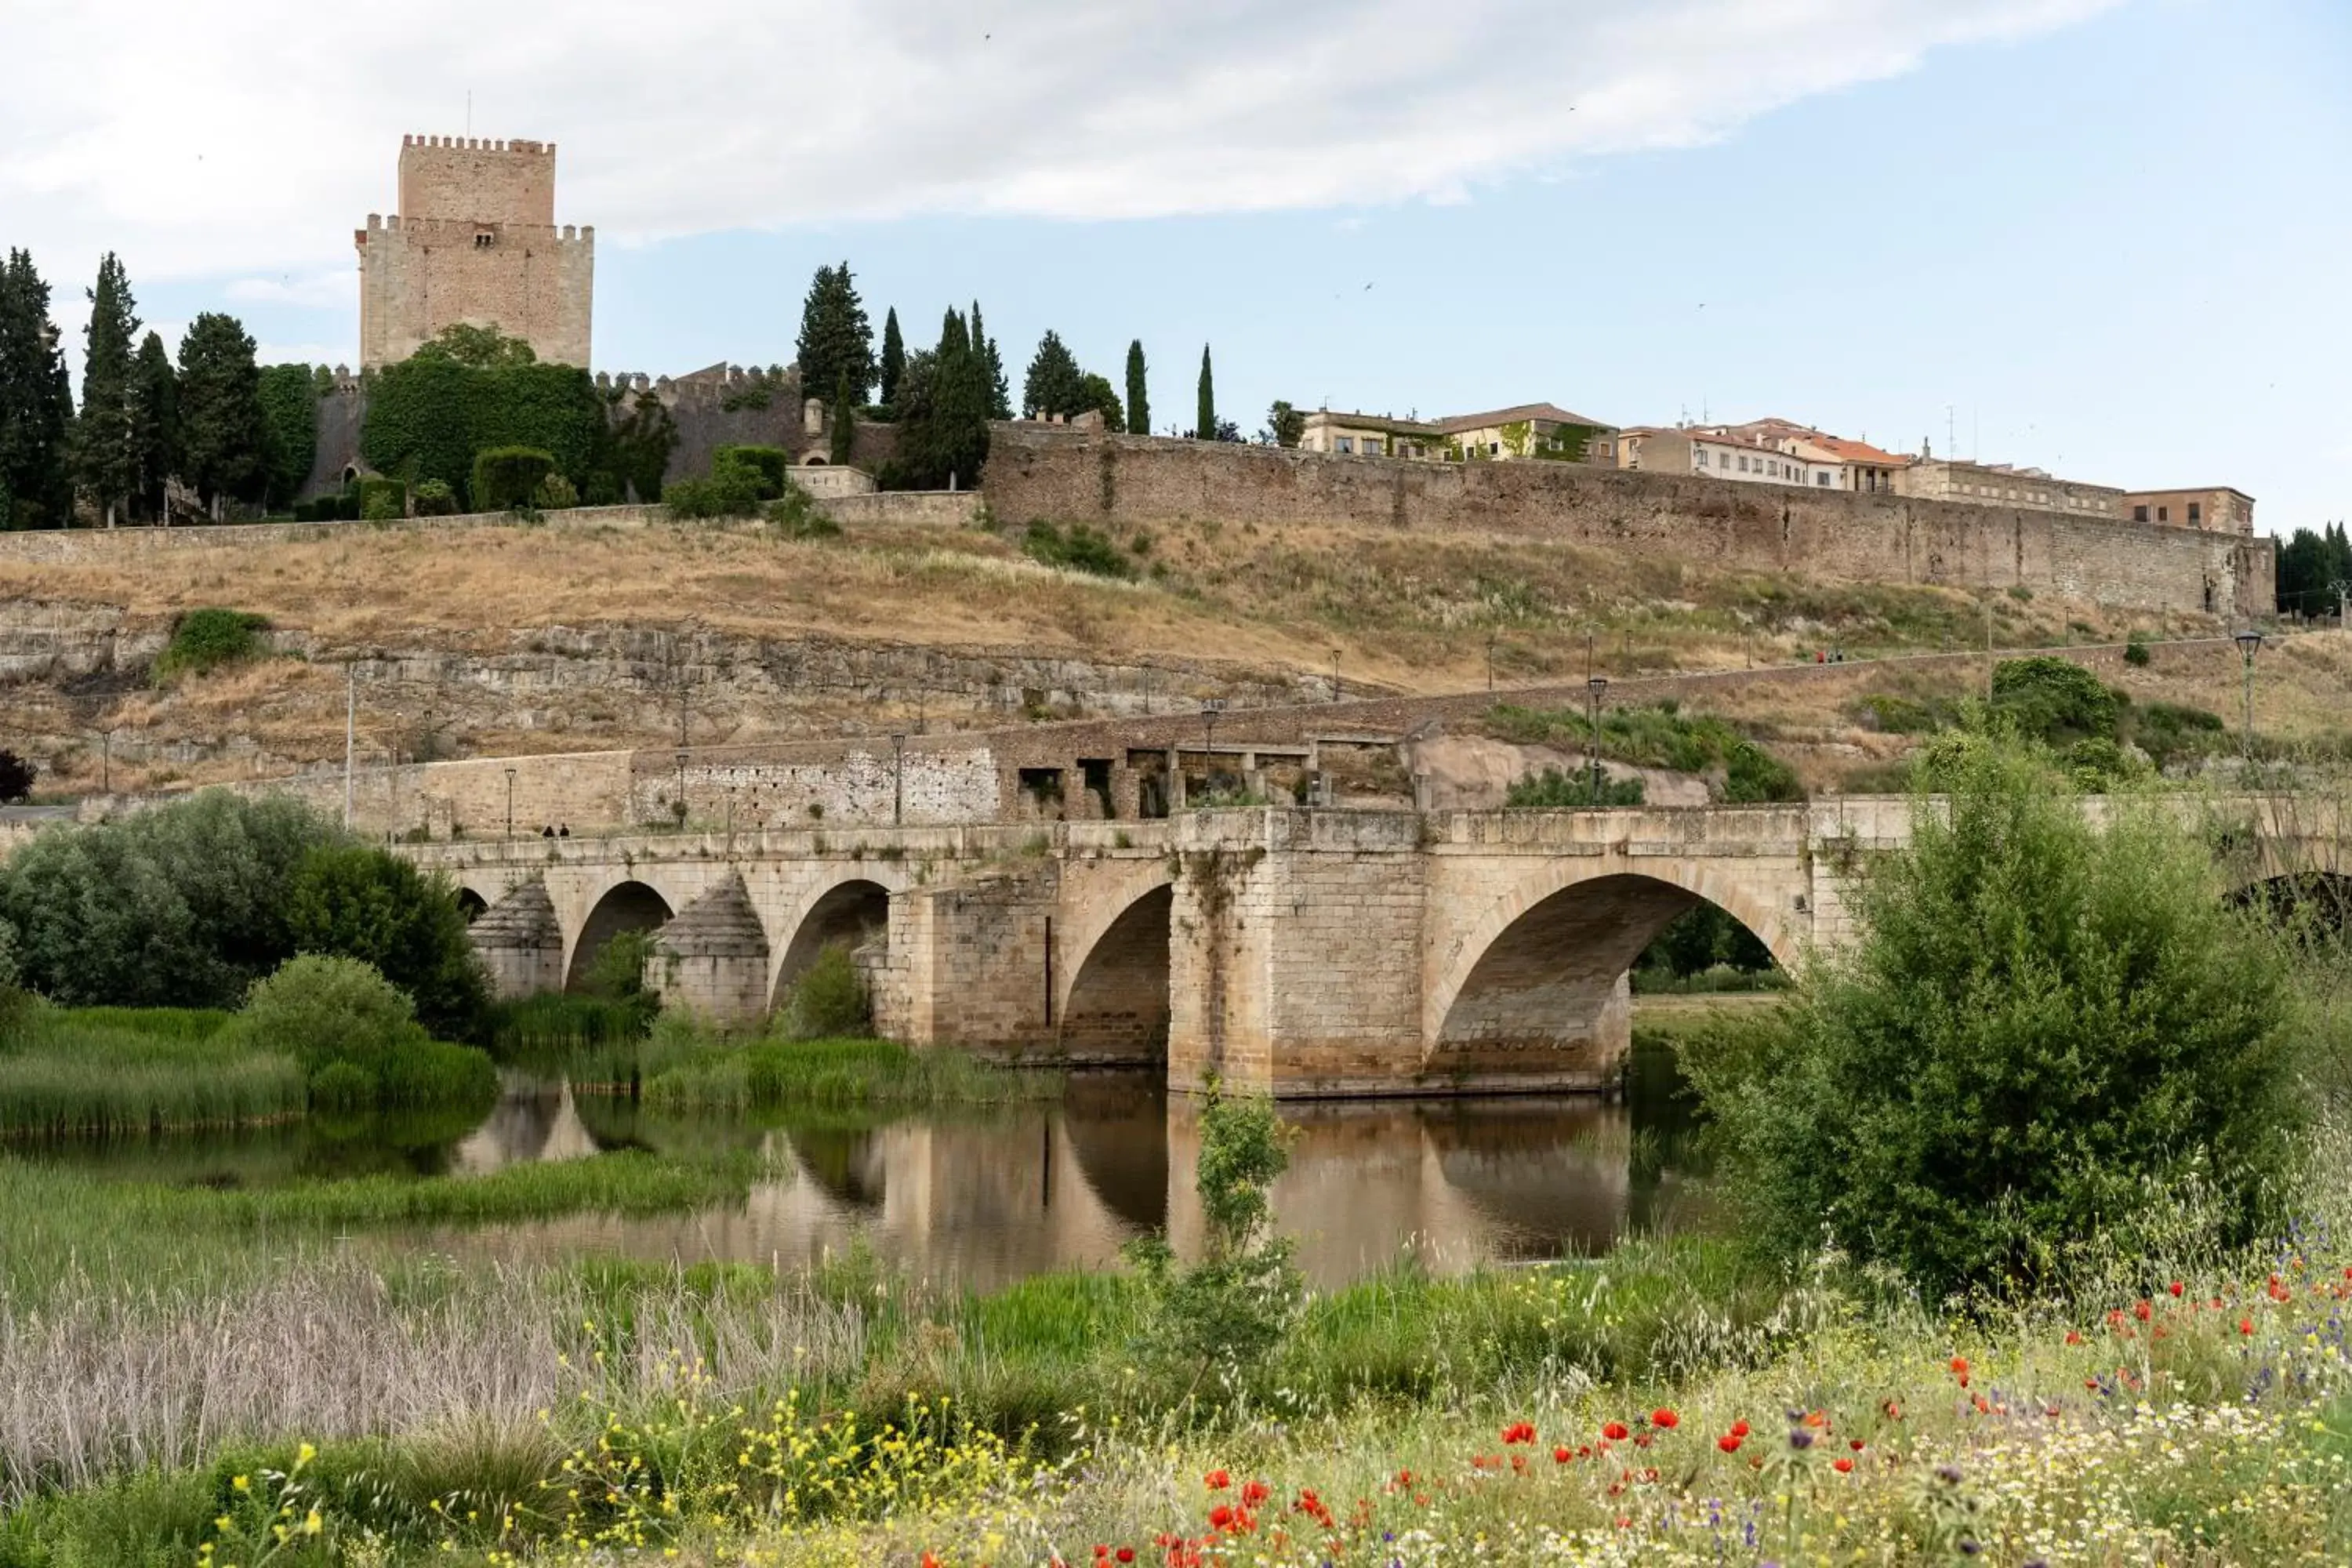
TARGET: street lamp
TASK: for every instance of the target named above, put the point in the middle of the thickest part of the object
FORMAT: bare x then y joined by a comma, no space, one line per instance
1594,686
2249,642
680,806
510,772
1335,675
897,779
1209,711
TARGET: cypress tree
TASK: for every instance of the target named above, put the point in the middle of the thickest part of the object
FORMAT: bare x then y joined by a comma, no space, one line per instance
1205,420
844,435
894,359
1138,405
224,428
1055,384
999,394
836,339
105,459
35,404
154,422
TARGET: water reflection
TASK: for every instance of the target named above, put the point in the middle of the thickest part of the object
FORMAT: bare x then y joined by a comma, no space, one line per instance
985,1198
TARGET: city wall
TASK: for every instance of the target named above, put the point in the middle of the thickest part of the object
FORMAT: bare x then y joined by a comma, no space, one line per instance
1042,472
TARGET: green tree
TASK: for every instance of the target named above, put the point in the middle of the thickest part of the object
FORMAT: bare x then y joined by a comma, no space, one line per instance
894,359
1138,398
835,341
105,451
1285,426
35,404
428,417
289,413
477,348
944,414
2313,571
1097,393
225,429
2044,1026
1055,384
1000,397
844,434
357,901
154,423
1204,418
182,906
2054,701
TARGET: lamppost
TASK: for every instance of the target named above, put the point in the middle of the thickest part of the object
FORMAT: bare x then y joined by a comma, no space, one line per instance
510,772
897,779
1594,686
680,807
1335,675
2249,642
1490,661
1209,711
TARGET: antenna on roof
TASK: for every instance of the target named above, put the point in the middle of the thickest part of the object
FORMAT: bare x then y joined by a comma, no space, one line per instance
470,111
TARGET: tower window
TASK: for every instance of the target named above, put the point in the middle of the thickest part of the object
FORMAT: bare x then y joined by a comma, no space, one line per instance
484,239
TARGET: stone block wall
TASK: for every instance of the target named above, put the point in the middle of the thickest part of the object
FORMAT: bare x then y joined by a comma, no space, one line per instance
968,966
1039,471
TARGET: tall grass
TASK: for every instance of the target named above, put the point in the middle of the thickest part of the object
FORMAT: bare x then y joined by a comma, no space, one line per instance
766,1075
116,1071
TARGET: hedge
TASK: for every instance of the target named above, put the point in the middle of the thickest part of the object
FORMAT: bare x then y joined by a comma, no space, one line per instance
766,469
428,418
506,477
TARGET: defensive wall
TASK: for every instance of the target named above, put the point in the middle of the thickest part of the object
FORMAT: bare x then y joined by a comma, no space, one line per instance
1041,471
1306,952
1357,752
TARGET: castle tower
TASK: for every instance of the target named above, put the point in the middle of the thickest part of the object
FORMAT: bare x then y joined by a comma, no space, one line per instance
475,242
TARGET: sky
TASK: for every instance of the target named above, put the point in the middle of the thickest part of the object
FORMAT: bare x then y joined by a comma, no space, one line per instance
2107,237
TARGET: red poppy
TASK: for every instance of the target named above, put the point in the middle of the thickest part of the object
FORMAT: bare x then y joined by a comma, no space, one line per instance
1842,1465
1520,1432
1740,1428
1220,1516
2141,1309
1665,1419
1216,1480
2245,1325
2073,1338
1961,1365
1615,1431
2176,1286
1561,1456
1855,1444
1254,1493
1729,1441
1125,1554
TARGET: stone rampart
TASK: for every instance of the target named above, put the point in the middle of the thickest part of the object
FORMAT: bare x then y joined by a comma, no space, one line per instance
1037,472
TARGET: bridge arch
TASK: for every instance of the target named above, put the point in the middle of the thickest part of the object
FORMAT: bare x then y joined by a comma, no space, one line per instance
1544,964
856,910
1116,1008
470,904
627,905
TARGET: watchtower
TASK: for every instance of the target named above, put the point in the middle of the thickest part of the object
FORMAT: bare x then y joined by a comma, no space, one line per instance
475,242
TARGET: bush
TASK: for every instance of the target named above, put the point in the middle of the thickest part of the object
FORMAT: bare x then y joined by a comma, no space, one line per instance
181,905
829,1002
382,500
2054,701
434,498
2135,651
766,469
700,499
352,1029
206,639
1552,790
507,479
357,901
2042,1029
1082,549
16,776
795,516
556,493
617,973
1658,735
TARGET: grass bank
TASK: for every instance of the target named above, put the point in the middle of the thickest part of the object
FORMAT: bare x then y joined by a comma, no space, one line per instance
710,1073
114,1071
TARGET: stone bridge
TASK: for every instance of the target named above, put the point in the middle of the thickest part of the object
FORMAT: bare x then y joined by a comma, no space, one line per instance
1308,952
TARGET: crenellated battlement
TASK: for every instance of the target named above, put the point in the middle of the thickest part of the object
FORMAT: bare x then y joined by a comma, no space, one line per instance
480,145
452,230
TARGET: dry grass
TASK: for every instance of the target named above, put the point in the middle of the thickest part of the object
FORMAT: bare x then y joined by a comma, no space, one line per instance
1410,614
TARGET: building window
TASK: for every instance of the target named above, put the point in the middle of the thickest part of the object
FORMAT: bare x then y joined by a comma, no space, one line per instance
484,239
1494,448
2139,514
2196,514
1743,462
1823,478
1347,445
2164,514
1700,456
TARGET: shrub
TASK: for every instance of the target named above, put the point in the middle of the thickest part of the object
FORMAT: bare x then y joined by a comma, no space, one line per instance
507,479
795,516
829,1002
350,1028
357,901
382,500
16,776
2171,733
699,500
1552,790
1658,735
767,470
556,493
617,973
2054,700
206,639
2135,651
1082,549
434,498
2043,1028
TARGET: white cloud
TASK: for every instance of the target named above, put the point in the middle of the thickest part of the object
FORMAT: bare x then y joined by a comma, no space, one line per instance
311,290
753,113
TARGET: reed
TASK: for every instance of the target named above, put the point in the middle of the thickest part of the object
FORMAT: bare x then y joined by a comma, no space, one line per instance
111,1071
767,1075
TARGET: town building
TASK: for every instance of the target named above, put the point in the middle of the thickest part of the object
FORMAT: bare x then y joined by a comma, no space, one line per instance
2218,510
1998,484
1723,453
1529,430
475,242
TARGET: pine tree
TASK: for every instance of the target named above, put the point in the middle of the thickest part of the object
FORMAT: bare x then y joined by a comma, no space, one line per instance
1055,384
836,339
894,359
1000,394
224,428
1138,404
843,433
1204,428
35,404
154,423
105,459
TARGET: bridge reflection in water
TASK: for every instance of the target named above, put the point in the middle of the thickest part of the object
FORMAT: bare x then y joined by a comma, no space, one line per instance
987,1200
